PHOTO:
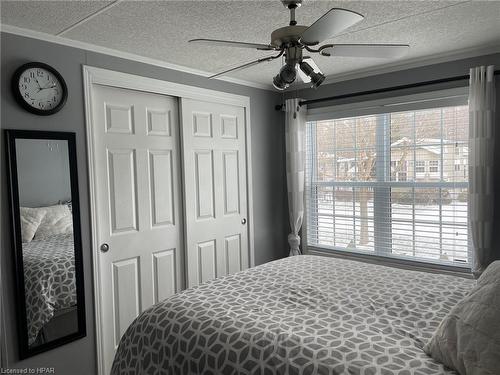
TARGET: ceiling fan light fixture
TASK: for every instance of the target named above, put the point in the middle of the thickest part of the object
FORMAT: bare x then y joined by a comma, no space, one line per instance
306,68
317,78
288,73
278,83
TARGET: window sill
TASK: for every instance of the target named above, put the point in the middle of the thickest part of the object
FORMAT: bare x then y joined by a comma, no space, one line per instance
392,262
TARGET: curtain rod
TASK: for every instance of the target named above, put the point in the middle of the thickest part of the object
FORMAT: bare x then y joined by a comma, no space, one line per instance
386,89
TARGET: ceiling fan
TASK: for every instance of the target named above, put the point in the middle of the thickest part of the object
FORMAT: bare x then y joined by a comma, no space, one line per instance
290,42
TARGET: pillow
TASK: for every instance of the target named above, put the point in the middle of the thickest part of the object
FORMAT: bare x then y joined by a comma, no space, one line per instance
30,221
58,220
468,338
67,203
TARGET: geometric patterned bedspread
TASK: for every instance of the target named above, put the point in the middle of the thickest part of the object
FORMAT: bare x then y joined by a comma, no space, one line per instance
49,279
299,315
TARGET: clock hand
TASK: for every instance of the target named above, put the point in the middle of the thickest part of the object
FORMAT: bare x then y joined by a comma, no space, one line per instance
49,87
38,83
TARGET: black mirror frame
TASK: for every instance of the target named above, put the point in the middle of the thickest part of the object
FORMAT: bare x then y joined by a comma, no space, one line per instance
10,137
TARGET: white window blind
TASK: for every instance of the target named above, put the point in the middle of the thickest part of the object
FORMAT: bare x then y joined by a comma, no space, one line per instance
391,184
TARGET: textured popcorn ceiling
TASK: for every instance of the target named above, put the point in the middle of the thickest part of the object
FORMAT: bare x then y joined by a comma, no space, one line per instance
47,16
160,29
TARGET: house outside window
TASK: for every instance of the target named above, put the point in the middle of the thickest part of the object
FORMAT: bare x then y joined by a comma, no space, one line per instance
388,185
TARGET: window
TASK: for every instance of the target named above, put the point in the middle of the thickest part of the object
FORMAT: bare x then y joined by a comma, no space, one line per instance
387,184
401,176
420,166
433,166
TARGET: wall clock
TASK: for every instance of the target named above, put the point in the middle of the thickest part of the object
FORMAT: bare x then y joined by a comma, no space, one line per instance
39,88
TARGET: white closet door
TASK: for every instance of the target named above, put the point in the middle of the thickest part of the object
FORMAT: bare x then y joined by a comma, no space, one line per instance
215,189
137,189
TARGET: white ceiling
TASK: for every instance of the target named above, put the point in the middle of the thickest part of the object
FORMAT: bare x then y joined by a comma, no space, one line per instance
161,29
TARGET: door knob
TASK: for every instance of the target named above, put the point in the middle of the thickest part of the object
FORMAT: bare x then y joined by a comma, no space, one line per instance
243,221
104,247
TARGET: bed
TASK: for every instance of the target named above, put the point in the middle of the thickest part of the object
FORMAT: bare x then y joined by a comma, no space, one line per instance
299,315
49,280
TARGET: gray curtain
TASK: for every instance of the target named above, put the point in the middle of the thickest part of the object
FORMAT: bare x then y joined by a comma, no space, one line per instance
481,145
295,163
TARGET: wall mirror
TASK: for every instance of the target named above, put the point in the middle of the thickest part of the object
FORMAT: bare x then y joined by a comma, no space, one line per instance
45,220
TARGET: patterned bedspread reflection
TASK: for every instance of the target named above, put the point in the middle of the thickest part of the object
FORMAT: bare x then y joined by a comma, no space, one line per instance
49,279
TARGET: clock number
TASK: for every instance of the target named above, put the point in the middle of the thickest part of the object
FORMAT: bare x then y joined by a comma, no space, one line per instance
39,73
32,74
26,80
27,95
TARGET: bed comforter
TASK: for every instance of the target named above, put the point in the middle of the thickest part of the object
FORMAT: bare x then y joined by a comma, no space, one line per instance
300,315
49,279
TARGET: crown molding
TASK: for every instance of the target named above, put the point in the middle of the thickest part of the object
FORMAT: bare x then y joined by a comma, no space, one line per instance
408,64
124,55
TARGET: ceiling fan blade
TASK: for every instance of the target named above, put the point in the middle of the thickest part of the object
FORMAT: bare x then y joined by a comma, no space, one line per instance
380,51
244,66
331,23
304,77
230,43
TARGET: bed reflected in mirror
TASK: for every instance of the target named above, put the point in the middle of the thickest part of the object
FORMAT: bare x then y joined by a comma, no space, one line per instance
46,231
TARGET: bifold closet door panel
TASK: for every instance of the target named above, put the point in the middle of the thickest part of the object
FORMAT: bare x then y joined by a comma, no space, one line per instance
136,163
215,189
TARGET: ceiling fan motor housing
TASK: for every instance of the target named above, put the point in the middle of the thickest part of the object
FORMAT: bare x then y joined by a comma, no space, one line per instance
287,34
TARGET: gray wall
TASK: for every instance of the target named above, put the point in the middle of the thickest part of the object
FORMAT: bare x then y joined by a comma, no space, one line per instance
416,75
42,172
270,216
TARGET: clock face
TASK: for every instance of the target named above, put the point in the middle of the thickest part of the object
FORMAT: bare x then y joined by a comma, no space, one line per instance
39,88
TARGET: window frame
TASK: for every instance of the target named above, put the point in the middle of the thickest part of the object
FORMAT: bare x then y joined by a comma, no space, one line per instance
434,166
432,99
